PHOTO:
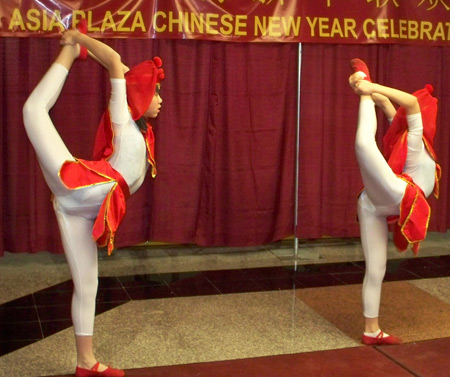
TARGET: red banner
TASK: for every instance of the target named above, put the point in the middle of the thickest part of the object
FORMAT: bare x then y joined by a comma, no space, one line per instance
320,21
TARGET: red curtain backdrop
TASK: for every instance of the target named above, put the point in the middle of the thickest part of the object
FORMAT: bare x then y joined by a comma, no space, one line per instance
225,139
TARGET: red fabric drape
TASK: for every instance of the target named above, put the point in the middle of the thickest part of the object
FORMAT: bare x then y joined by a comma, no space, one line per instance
225,143
230,180
225,139
329,175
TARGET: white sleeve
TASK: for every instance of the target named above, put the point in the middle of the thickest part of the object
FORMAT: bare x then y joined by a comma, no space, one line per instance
118,107
415,132
419,164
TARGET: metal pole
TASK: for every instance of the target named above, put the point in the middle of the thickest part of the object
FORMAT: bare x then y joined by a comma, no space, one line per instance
297,155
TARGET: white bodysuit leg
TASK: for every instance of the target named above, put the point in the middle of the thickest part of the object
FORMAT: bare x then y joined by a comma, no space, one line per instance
75,219
374,239
48,145
383,192
81,253
382,186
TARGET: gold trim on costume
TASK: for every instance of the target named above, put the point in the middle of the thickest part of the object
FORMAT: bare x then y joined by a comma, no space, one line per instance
76,161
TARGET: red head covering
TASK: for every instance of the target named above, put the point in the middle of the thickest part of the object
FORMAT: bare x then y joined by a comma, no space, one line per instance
141,83
394,141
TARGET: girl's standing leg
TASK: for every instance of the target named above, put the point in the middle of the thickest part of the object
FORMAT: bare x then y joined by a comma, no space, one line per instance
374,239
82,255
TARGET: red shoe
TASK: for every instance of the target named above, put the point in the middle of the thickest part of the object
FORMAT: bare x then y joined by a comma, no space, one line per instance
108,372
82,28
380,340
359,66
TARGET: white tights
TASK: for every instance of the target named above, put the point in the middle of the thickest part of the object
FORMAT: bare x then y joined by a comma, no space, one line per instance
75,209
383,192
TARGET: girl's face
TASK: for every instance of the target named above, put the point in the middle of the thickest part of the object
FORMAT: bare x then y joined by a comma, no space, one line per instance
155,106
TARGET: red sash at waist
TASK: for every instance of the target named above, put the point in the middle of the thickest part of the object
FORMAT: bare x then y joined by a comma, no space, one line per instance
81,173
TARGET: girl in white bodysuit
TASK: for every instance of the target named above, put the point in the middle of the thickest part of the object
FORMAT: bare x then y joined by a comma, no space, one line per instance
77,209
384,190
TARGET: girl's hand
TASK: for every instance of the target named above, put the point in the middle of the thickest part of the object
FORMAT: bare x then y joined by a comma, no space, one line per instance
364,87
69,37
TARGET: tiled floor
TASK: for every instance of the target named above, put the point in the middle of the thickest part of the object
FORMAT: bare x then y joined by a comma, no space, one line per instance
165,310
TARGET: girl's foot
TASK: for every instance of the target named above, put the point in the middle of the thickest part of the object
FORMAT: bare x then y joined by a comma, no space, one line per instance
359,66
379,338
94,372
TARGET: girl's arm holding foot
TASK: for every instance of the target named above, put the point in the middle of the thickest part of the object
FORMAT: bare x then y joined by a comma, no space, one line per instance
105,55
